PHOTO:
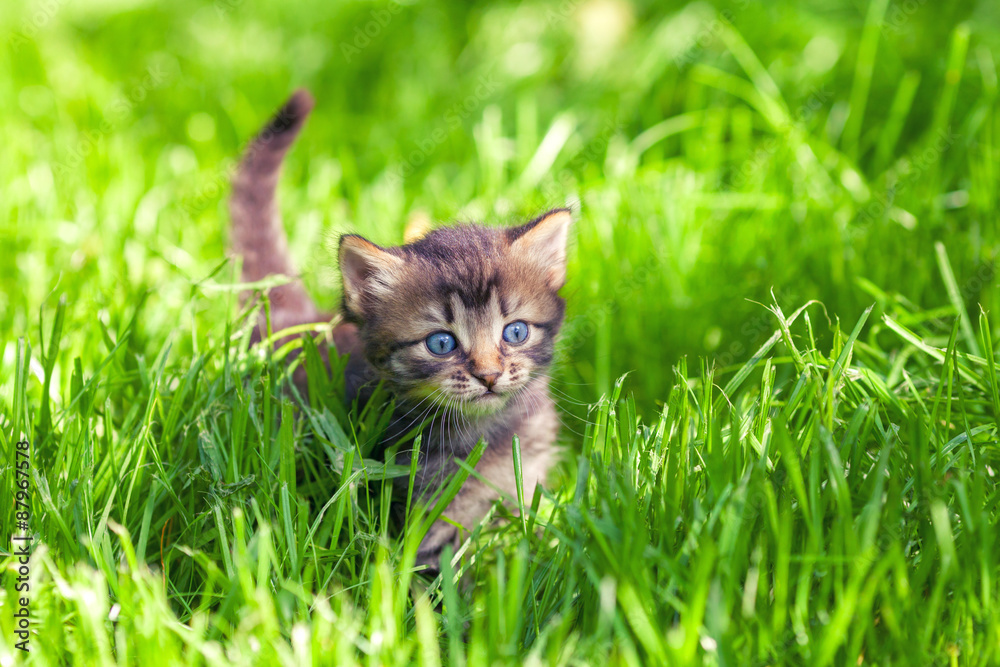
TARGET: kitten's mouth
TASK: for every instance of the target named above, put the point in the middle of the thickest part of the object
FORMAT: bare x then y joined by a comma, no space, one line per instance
488,401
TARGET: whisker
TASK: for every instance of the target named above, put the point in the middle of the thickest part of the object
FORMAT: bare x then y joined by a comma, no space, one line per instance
559,415
418,404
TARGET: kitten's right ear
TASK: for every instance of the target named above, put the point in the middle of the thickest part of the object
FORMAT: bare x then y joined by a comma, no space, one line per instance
366,269
543,241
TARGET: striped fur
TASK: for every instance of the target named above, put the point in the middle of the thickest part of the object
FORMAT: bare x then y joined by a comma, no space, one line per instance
258,235
468,280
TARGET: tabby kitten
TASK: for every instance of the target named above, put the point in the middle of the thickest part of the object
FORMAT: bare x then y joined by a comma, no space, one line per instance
459,325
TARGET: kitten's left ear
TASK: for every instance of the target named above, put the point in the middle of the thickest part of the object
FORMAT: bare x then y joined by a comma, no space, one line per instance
544,242
367,270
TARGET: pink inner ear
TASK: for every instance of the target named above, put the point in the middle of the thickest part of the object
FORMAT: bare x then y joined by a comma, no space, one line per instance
556,277
355,266
361,263
545,243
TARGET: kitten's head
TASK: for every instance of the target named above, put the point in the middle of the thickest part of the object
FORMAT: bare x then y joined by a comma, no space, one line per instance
465,316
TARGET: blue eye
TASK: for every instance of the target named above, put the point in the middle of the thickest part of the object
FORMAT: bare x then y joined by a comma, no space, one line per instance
441,343
515,332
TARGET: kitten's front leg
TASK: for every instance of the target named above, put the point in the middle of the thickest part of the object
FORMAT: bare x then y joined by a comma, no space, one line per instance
496,465
466,509
429,551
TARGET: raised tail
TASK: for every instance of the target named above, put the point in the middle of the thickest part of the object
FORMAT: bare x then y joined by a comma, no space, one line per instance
258,234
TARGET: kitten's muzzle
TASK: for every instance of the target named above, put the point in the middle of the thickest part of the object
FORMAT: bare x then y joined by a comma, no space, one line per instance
488,379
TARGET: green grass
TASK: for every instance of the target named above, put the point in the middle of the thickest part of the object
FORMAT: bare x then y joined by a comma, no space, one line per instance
786,235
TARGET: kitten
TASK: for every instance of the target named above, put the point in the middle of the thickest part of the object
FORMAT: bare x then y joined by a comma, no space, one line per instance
459,325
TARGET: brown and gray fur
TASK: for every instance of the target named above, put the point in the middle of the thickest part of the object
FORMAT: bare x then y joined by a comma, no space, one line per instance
468,280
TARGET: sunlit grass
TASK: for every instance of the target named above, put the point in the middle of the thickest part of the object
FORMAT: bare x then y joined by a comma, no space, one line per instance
804,198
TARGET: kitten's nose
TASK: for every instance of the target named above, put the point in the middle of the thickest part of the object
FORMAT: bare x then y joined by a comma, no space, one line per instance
488,379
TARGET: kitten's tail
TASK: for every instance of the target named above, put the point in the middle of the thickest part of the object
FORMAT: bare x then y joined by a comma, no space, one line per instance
258,234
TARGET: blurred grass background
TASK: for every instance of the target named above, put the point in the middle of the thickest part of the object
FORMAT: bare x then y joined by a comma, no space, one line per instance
716,154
